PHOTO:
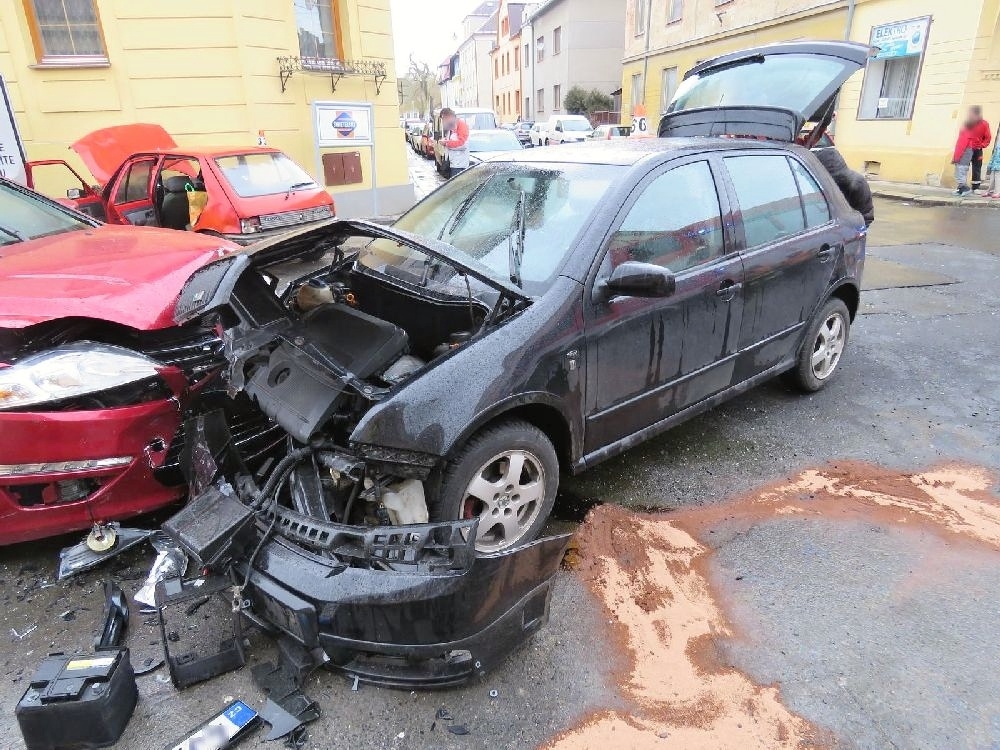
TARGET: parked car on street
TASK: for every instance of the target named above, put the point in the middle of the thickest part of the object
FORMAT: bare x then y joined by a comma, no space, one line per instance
522,130
485,144
95,378
567,129
536,135
147,180
609,132
539,313
414,137
427,141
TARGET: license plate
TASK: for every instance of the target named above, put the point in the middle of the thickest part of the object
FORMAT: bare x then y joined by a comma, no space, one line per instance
222,730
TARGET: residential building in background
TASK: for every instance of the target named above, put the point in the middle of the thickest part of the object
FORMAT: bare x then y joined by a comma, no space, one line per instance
567,43
897,121
209,73
505,59
449,81
476,78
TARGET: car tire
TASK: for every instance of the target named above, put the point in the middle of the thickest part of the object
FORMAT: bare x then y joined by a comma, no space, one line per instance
478,481
823,347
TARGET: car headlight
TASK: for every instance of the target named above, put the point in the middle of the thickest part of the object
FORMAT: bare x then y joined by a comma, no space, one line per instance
71,371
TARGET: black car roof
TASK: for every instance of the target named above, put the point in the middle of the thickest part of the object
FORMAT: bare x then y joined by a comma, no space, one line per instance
629,151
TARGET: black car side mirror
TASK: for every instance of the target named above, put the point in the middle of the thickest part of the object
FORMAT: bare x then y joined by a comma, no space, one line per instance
634,279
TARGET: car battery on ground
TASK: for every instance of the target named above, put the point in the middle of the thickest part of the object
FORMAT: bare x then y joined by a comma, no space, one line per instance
78,702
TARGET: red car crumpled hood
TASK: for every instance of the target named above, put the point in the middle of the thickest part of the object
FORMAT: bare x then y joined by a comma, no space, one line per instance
125,275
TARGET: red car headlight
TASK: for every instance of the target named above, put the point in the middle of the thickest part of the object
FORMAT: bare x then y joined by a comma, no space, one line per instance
70,371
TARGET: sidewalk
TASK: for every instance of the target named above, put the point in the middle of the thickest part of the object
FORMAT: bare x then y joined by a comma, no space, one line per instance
928,195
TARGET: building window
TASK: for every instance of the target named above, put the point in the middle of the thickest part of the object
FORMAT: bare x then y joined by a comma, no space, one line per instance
556,98
639,20
517,100
517,61
527,105
668,87
638,95
505,25
675,10
66,31
319,29
890,86
540,49
540,98
527,55
556,40
498,102
496,68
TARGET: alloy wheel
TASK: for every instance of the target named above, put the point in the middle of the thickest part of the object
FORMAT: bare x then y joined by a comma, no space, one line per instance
829,345
506,494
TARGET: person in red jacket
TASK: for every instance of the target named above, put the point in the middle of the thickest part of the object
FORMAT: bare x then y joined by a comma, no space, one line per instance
456,141
970,134
979,139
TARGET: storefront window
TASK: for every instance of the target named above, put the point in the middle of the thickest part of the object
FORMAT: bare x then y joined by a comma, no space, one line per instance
890,86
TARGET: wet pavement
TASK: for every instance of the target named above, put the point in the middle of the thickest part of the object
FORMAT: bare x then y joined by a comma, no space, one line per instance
878,634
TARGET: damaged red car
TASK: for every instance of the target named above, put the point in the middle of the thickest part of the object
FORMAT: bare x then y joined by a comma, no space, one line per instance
95,377
239,194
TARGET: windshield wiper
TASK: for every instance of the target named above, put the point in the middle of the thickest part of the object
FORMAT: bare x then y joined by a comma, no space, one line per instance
515,240
13,233
296,186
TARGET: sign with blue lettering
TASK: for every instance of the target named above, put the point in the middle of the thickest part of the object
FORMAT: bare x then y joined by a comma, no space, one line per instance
900,39
343,124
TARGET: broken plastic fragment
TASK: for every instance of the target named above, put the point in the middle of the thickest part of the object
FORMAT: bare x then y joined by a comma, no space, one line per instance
170,562
458,729
80,557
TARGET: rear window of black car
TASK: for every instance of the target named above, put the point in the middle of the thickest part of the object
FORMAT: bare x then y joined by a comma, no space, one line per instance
774,202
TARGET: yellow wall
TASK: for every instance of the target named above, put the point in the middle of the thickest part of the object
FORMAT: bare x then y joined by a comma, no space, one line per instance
961,67
207,72
960,48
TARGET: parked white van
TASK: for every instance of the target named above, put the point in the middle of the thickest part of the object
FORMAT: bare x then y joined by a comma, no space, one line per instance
567,129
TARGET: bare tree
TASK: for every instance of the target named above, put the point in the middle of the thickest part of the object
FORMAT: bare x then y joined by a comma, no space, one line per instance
424,85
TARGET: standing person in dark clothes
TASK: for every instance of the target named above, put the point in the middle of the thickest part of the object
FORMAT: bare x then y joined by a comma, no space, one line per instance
852,184
980,138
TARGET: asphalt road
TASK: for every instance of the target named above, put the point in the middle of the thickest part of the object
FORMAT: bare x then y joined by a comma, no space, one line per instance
919,386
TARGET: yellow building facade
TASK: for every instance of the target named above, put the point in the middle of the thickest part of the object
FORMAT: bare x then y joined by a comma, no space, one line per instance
897,121
209,73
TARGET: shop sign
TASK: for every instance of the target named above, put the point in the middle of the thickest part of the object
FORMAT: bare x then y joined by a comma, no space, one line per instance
900,39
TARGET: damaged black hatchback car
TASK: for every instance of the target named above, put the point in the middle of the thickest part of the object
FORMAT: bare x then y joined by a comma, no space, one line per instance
539,313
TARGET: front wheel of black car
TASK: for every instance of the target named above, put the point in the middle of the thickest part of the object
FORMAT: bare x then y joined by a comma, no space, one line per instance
824,346
507,476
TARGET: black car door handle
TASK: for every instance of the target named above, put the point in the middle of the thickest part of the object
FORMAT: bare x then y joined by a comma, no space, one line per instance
826,252
727,290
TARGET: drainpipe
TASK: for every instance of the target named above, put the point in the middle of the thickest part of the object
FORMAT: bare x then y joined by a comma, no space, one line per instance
645,60
851,7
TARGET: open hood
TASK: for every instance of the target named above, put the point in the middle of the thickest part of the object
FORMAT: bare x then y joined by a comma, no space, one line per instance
104,150
764,91
212,285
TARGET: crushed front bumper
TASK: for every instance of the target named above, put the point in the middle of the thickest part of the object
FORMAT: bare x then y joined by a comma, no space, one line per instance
404,625
62,471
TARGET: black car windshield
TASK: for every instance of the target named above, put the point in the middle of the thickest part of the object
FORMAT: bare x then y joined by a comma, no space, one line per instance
502,140
476,213
24,216
786,81
263,173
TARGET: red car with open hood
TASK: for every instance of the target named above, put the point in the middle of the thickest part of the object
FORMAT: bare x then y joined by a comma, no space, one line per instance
146,179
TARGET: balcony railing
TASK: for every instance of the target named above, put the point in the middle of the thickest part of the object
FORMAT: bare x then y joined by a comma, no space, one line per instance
288,65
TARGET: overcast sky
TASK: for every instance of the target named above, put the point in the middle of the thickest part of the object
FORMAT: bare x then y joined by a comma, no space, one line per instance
427,28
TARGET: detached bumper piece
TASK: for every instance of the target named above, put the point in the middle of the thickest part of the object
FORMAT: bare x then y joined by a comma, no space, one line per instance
78,702
403,626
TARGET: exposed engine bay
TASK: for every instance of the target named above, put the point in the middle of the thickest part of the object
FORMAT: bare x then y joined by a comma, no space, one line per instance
316,356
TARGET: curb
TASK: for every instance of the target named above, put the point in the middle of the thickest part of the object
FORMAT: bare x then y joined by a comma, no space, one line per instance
927,200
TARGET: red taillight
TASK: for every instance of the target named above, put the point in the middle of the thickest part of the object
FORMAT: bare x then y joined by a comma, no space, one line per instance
609,135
